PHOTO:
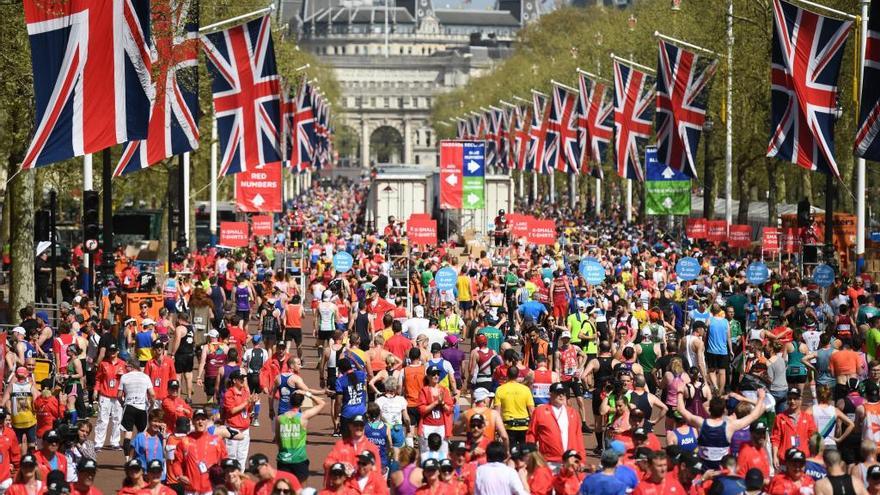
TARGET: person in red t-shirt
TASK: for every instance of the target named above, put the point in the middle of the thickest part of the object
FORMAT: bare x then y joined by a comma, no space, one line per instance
49,455
398,344
753,454
366,479
793,480
237,405
160,369
199,451
656,482
174,406
85,478
48,409
568,481
336,478
153,480
258,465
110,370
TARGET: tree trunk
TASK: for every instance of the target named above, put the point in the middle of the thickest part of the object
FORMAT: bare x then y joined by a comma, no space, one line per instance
742,214
773,190
21,197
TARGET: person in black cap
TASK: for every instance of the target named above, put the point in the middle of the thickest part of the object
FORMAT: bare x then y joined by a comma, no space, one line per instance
753,454
794,477
873,477
198,453
26,479
134,478
86,469
754,482
366,479
347,449
544,428
153,479
266,475
49,456
464,470
431,476
56,483
174,407
689,470
447,476
568,481
337,474
234,479
788,429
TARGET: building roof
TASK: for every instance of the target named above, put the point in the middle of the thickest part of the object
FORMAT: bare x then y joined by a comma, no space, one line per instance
475,17
360,15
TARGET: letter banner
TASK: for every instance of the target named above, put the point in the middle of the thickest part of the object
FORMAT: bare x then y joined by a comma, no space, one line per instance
419,216
259,190
696,228
541,232
451,175
261,225
770,238
519,224
716,230
421,232
790,240
667,191
234,234
739,236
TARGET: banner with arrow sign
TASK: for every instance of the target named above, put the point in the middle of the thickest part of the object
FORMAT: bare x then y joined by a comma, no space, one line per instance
474,176
451,175
462,175
259,190
667,191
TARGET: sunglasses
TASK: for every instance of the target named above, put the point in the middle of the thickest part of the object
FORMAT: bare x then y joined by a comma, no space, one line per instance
282,491
446,469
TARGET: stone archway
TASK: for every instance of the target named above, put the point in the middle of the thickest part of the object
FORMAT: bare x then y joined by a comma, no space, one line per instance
386,145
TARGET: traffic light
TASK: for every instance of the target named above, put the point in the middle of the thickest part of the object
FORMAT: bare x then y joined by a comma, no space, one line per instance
803,213
91,225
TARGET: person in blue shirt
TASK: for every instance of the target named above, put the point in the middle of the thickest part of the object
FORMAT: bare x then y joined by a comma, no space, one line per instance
351,392
718,350
604,482
531,310
149,445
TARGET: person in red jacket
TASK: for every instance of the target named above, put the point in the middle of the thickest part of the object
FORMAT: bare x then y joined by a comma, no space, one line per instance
555,427
153,480
366,479
8,437
792,428
345,451
793,480
435,409
110,370
336,479
463,470
174,407
266,475
49,455
86,470
27,481
525,461
657,482
753,454
570,477
161,371
48,408
198,452
235,480
454,485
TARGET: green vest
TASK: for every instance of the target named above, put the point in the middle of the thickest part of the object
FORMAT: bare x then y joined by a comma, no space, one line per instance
293,439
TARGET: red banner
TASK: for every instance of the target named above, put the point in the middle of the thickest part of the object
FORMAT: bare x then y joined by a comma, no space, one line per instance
541,232
259,190
419,216
790,240
519,224
770,238
739,236
234,234
421,232
261,225
451,175
716,230
695,228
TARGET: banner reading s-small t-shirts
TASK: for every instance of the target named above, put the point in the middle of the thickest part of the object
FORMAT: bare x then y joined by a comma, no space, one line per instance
259,190
770,238
234,234
421,231
542,232
261,225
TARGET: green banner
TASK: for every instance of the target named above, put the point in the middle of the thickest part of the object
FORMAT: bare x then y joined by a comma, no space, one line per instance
473,195
668,197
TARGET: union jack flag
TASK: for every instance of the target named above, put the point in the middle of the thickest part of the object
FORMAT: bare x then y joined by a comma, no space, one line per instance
595,121
867,145
174,117
498,122
491,137
322,149
633,112
683,81
247,92
300,119
507,142
92,71
564,151
523,118
806,55
538,133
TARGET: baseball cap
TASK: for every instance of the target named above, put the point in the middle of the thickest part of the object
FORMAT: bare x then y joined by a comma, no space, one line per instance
571,453
173,384
755,478
21,371
693,462
482,394
158,344
433,370
337,468
618,447
155,465
129,321
256,461
229,463
29,460
56,482
640,432
134,464
516,452
51,436
84,464
794,391
257,338
201,412
642,454
557,388
3,413
359,419
367,456
182,425
477,418
874,471
795,455
565,335
446,464
213,333
19,330
112,347
758,427
457,445
147,322
452,339
872,391
430,464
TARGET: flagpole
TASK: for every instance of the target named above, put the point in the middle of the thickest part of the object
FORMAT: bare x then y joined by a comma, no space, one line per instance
598,196
629,200
186,197
88,185
572,189
213,195
728,121
552,186
676,41
210,27
860,162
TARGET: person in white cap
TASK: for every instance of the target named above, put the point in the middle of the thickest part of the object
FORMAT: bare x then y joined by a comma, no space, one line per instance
494,425
418,324
22,349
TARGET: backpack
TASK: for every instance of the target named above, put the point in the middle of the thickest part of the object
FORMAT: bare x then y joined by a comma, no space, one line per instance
255,363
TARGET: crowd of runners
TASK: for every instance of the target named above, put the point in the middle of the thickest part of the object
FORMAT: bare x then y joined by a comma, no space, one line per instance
522,379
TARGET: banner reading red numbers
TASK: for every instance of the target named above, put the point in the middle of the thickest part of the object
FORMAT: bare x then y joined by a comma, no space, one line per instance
259,190
739,236
542,232
421,231
261,225
451,175
716,230
770,240
234,234
695,228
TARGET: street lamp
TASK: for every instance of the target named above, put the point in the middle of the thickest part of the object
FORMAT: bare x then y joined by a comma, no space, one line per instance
708,170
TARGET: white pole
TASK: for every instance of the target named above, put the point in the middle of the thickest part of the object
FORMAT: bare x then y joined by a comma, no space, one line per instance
629,200
728,152
186,198
534,184
860,162
572,188
213,196
552,186
521,185
87,172
598,197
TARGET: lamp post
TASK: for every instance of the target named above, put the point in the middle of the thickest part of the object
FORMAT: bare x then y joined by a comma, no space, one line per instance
599,40
708,170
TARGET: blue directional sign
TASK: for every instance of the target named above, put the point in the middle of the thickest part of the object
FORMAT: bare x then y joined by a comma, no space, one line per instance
823,275
342,262
473,168
592,271
446,278
688,269
757,273
474,158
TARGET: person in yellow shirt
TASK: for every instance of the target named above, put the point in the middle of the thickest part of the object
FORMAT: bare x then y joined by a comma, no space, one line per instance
515,403
465,300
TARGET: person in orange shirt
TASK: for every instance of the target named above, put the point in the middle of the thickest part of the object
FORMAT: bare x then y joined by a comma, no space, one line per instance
844,364
336,481
110,370
237,405
366,479
199,451
160,369
49,455
174,407
293,324
48,409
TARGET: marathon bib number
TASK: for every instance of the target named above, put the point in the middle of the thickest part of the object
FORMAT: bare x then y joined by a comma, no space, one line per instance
203,468
112,383
158,382
189,340
436,414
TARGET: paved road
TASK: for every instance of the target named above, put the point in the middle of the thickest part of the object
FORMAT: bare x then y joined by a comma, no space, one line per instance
320,441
